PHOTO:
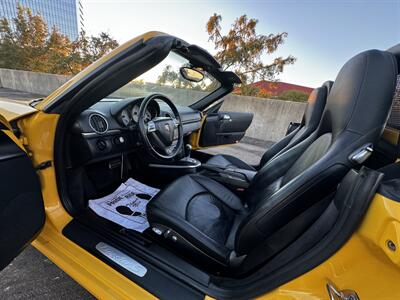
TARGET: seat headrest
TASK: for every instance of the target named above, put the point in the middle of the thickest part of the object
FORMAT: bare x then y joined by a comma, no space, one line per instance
361,96
328,84
315,106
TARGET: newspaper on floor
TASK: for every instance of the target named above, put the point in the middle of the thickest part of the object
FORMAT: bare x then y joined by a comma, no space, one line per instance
126,206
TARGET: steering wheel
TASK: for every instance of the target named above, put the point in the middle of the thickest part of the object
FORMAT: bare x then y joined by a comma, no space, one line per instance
162,136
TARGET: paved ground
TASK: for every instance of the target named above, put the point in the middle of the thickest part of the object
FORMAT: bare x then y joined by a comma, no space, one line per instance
249,151
32,276
17,95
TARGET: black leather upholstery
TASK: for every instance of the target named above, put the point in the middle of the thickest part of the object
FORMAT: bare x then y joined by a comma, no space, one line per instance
310,121
208,211
229,161
290,184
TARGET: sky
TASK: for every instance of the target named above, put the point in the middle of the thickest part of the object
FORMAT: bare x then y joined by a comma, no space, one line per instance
322,35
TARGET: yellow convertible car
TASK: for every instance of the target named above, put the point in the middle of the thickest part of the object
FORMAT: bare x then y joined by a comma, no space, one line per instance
105,178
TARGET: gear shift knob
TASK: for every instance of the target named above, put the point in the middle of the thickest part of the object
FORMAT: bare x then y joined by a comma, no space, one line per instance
188,149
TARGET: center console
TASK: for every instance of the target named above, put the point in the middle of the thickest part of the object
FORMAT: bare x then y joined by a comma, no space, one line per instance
177,168
187,164
233,178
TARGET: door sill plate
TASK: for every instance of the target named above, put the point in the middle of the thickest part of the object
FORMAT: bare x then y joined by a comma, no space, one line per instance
121,259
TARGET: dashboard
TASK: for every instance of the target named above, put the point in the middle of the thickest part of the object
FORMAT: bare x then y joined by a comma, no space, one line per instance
110,127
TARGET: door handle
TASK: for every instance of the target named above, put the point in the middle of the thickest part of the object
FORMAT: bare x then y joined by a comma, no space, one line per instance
225,117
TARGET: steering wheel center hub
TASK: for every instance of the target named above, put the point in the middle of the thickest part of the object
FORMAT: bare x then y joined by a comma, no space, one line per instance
163,136
165,129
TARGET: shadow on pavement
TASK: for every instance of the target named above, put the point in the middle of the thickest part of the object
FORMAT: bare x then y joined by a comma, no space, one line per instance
32,276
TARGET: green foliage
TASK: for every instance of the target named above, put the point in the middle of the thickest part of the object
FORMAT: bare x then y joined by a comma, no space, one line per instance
174,79
293,95
242,50
29,45
249,90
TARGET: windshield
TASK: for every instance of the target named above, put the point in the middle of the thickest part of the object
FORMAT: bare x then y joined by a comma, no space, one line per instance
166,79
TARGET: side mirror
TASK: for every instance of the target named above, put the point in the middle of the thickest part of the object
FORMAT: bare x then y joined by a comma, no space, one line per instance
191,74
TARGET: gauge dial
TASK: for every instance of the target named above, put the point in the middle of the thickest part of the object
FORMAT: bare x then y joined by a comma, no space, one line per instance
147,116
125,118
135,113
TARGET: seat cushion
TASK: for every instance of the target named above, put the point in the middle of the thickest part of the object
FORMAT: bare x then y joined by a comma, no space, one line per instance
202,211
228,161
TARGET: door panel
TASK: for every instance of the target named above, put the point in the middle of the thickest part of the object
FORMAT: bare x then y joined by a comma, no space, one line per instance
21,205
224,128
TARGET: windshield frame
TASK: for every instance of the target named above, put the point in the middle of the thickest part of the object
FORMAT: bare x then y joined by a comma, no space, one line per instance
127,62
165,78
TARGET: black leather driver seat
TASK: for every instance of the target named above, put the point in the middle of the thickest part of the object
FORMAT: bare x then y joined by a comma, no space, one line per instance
284,198
312,116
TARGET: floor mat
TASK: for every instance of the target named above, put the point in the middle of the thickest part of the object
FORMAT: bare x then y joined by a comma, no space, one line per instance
126,206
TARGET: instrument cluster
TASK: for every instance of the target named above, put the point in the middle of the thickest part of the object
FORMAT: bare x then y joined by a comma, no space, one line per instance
130,115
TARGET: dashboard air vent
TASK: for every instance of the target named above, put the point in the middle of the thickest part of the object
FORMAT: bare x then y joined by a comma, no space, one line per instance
98,123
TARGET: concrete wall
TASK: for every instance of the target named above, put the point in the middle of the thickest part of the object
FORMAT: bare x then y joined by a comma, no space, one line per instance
271,117
33,82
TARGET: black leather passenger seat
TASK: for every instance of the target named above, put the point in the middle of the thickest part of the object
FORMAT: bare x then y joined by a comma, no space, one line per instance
287,194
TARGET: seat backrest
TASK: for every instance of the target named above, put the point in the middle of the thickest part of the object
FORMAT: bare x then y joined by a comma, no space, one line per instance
395,50
389,146
312,115
355,114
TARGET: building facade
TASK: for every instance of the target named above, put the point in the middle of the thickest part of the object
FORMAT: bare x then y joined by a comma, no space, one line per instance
66,15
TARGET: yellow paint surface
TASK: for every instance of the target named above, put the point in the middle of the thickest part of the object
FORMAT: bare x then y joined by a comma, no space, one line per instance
11,110
364,264
94,275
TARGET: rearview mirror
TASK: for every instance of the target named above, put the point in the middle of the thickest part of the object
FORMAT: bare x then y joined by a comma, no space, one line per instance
191,74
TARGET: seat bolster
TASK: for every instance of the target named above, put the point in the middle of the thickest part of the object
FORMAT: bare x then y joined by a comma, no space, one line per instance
272,172
278,146
226,161
189,232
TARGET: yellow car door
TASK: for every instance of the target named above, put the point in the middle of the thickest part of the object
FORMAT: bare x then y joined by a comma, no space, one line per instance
22,213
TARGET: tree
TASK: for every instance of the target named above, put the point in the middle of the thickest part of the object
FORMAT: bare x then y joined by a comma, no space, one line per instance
174,79
242,50
58,51
170,77
28,45
90,49
293,95
25,45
